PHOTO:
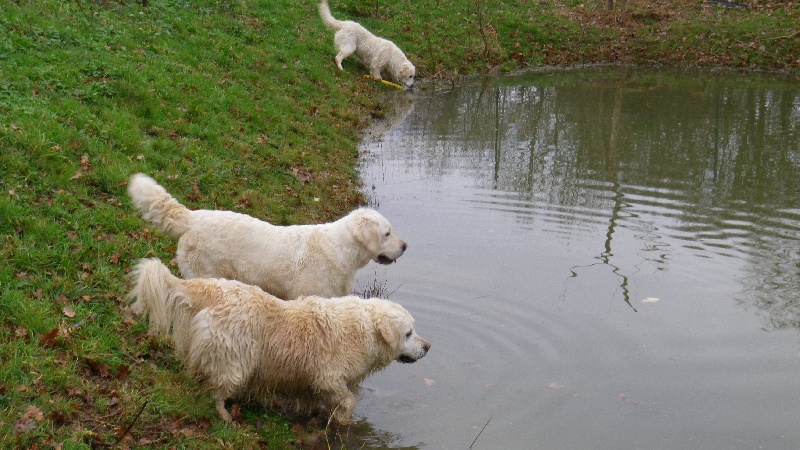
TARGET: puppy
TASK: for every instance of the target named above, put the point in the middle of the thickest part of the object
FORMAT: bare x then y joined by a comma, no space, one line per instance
286,261
243,342
378,54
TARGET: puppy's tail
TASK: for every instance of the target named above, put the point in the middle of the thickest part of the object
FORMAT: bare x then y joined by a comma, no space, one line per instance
327,17
156,292
157,206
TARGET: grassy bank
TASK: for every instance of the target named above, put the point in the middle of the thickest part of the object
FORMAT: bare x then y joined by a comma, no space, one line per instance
233,105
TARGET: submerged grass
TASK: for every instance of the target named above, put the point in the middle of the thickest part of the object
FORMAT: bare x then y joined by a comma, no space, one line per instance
232,105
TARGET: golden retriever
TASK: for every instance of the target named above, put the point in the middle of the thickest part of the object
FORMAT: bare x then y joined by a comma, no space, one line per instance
286,261
378,54
245,343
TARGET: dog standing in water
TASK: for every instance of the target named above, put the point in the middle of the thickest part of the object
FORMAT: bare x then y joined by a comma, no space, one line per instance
286,261
245,343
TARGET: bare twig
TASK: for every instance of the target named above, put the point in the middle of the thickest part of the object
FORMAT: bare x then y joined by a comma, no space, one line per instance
132,422
479,433
788,36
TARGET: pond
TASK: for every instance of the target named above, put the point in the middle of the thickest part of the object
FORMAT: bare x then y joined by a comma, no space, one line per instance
601,258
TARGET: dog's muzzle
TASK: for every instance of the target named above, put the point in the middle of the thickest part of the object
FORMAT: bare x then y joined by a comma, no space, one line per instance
383,259
405,359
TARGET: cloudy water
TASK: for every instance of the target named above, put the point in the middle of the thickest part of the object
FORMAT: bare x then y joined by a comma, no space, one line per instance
600,259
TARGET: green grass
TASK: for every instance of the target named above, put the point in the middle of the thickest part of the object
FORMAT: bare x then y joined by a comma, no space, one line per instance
225,103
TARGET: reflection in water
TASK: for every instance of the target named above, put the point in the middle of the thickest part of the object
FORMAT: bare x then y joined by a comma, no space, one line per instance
359,434
541,212
720,159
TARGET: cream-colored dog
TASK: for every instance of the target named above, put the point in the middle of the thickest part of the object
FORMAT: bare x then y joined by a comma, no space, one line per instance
245,343
378,54
285,261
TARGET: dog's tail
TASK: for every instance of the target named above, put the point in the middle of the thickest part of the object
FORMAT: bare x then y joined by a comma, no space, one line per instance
327,17
157,206
156,293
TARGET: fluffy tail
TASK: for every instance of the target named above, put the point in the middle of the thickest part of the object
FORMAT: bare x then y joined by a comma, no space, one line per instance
157,206
154,294
327,17
160,295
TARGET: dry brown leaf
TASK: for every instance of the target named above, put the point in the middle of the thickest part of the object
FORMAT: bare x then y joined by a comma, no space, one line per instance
68,311
49,338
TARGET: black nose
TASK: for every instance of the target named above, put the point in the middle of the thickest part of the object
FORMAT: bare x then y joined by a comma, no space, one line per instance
404,246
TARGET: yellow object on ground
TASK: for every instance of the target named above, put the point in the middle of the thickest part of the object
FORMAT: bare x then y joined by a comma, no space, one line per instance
388,83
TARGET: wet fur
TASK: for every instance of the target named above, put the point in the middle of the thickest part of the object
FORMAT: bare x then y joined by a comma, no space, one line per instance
378,54
286,261
245,343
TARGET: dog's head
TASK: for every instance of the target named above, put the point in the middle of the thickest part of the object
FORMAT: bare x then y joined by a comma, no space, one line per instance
396,327
406,75
374,233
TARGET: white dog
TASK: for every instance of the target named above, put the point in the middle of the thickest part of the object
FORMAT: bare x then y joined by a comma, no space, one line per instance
378,54
285,261
245,343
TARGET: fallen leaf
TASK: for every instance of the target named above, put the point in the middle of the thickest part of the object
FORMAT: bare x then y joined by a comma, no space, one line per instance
33,412
68,311
74,392
114,258
59,417
23,426
123,372
77,175
100,369
625,399
236,413
302,175
48,339
129,319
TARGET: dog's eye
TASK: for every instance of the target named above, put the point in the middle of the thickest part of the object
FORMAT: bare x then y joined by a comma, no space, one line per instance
388,233
408,335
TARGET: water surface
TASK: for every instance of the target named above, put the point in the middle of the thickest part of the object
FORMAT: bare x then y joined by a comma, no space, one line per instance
600,258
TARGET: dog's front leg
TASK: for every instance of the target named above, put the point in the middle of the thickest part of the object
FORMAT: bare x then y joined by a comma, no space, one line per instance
220,397
344,410
339,398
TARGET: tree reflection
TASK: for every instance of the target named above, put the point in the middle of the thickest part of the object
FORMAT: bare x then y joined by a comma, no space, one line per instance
709,163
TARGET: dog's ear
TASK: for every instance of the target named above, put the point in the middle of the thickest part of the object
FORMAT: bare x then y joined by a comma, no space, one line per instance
365,231
389,328
407,70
